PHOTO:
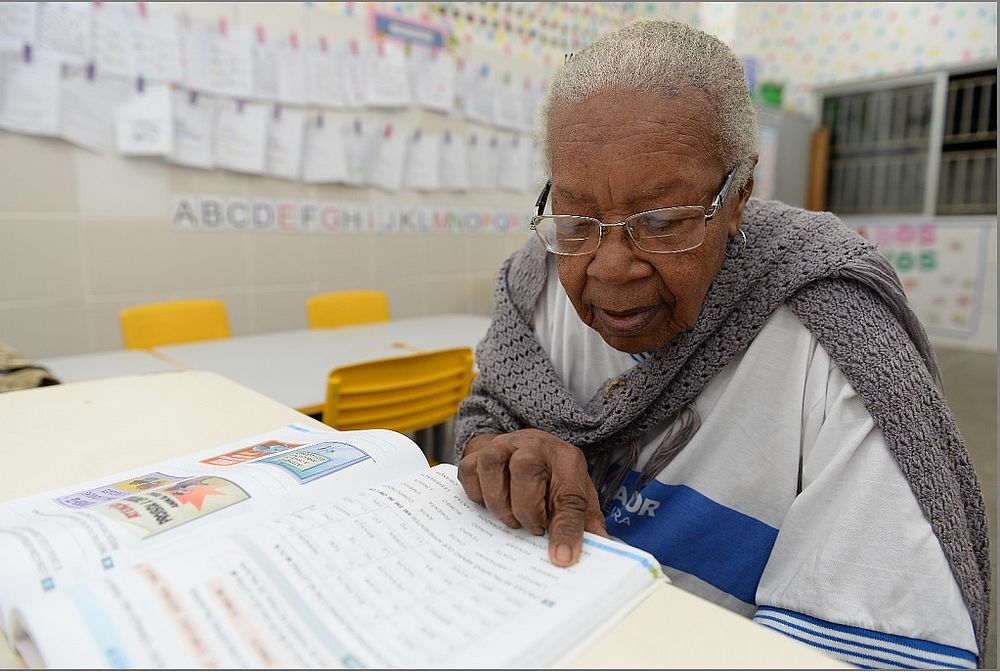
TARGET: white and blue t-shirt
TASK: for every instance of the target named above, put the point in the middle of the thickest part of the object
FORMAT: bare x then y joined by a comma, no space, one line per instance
786,505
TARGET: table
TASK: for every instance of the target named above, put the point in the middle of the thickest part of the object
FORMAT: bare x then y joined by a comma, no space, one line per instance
90,366
292,366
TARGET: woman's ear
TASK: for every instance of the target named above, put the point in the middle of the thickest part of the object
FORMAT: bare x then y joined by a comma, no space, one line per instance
741,202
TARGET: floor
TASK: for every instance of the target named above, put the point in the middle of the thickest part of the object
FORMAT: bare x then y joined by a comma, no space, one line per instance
970,385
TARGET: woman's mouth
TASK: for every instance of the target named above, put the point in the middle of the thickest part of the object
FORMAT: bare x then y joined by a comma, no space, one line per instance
626,323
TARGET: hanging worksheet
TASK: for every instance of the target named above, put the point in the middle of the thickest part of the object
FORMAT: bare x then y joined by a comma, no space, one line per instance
218,59
508,104
327,77
532,97
290,66
265,69
478,97
113,45
386,76
18,22
325,154
359,143
354,67
432,74
144,121
423,161
87,104
454,166
483,163
388,160
514,173
64,29
284,143
30,85
241,136
194,130
156,45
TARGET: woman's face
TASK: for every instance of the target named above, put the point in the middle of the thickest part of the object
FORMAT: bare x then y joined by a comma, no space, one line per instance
619,153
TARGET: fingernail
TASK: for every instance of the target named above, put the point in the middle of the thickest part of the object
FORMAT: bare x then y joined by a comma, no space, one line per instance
564,554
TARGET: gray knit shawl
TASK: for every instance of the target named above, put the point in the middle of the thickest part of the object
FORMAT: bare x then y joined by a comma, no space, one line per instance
842,290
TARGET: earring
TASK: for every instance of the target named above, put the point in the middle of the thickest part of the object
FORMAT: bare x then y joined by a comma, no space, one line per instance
740,248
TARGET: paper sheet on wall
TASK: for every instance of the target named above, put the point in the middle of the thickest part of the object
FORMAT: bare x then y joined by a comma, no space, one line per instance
359,145
454,168
156,46
64,29
217,63
537,171
388,160
325,154
387,76
87,106
113,45
514,165
423,162
265,72
194,130
290,65
508,105
241,136
144,122
531,100
478,96
354,78
29,94
284,143
327,79
433,79
483,163
18,21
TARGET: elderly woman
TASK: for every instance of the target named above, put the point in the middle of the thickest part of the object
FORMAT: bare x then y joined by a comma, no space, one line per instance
735,385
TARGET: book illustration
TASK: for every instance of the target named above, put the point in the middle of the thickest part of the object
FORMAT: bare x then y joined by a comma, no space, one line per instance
165,508
256,451
318,460
106,493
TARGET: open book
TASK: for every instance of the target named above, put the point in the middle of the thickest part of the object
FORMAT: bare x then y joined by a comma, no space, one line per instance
296,548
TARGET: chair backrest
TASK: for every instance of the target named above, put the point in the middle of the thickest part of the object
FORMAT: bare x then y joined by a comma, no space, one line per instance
401,393
339,309
169,322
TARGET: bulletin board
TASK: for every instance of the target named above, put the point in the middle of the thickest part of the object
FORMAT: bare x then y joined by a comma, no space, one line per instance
941,263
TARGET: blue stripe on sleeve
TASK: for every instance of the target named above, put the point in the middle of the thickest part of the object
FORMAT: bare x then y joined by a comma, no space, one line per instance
871,645
686,530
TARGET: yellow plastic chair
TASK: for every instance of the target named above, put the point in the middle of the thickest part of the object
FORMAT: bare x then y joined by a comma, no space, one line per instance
401,393
169,322
339,309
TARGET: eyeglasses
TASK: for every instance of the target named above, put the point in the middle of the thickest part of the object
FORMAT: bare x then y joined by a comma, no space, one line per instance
660,231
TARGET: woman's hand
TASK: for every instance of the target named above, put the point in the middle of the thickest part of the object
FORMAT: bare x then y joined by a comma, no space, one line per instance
535,480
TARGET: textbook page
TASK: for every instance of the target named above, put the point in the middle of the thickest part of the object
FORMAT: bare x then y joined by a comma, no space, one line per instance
409,573
55,539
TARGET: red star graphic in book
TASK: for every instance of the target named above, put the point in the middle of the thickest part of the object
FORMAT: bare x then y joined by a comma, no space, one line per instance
195,494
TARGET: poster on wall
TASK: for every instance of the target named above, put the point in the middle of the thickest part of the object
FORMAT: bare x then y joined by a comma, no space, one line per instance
942,263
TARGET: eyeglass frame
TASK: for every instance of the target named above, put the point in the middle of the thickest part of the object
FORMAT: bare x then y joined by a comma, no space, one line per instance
709,212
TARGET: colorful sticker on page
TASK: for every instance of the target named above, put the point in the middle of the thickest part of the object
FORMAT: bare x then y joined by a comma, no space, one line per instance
248,453
112,491
165,508
318,460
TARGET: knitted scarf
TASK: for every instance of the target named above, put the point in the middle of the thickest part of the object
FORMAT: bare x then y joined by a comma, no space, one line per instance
842,290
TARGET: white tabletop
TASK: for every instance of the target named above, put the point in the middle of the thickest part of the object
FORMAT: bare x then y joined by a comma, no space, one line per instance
292,366
83,431
95,365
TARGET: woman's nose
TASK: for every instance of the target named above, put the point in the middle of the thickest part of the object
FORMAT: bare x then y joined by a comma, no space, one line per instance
617,259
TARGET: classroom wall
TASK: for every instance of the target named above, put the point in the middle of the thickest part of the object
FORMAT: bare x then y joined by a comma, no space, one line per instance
83,235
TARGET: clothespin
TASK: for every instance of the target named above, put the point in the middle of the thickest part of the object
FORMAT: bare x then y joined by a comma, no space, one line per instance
91,71
407,48
97,3
143,10
434,53
293,38
387,133
240,105
493,141
324,46
417,135
447,137
357,127
26,53
223,27
381,48
277,111
261,35
473,139
192,98
140,84
484,71
319,120
355,49
506,78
